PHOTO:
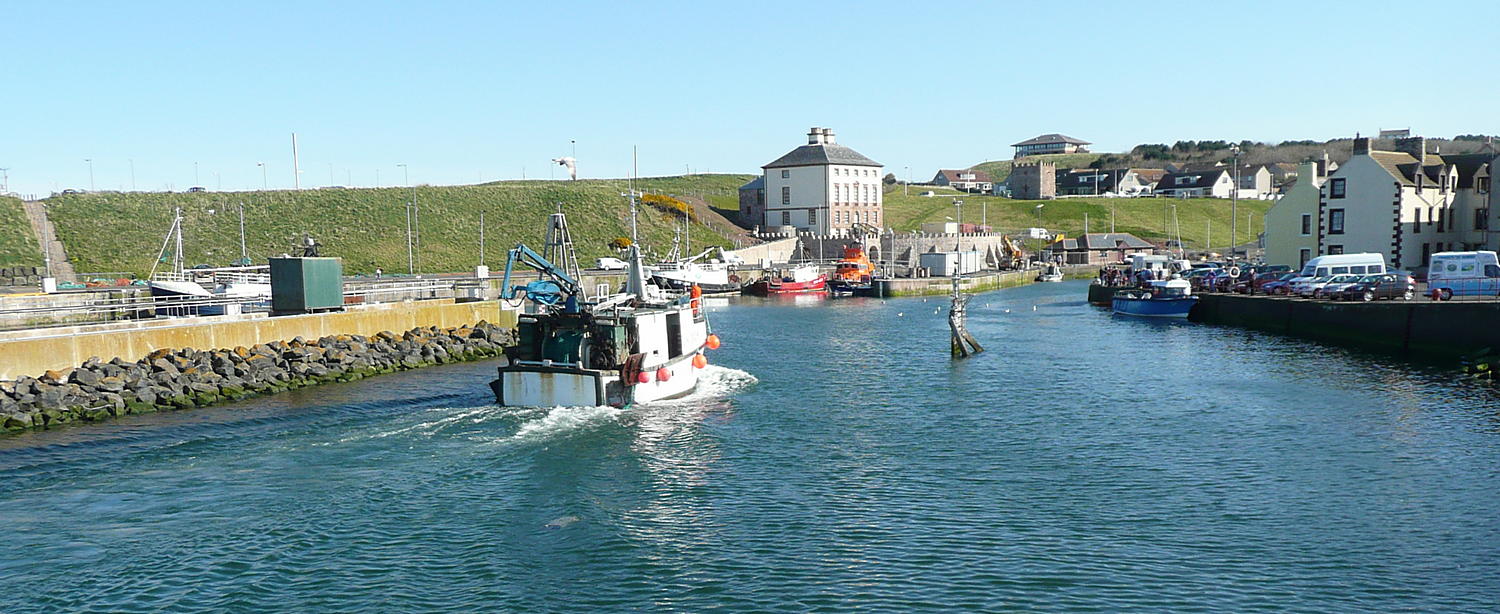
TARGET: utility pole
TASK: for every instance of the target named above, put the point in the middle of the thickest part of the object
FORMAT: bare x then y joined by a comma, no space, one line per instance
91,173
5,181
132,174
296,170
906,184
244,254
264,184
481,238
196,181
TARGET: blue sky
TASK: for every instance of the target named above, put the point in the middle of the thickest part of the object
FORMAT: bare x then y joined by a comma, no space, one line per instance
463,92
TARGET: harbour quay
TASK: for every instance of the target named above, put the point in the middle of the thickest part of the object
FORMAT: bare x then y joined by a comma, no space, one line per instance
974,282
1419,328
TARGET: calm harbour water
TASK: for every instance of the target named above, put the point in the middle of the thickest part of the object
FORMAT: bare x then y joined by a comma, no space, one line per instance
838,460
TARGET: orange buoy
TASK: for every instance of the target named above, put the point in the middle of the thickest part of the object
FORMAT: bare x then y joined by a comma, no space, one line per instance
663,374
712,342
696,291
700,361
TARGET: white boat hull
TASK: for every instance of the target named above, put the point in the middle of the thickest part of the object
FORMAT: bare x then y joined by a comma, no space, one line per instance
532,385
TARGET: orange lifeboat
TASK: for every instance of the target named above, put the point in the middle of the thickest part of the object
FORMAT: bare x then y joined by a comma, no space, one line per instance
852,271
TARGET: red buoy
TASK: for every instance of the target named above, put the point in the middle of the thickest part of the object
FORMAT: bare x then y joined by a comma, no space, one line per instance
700,361
712,342
643,377
663,374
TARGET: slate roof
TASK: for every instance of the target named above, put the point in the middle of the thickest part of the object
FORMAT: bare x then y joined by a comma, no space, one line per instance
1469,166
953,176
1101,240
823,154
1201,179
758,183
1047,139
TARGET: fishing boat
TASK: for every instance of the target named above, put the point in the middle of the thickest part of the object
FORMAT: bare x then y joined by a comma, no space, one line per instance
639,345
204,291
852,273
1172,298
800,279
1052,272
711,276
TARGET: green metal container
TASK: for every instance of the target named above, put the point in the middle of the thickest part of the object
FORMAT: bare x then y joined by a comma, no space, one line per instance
300,285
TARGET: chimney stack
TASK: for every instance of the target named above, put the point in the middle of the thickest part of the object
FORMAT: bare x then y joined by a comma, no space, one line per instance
1416,146
1361,145
828,136
1323,165
815,136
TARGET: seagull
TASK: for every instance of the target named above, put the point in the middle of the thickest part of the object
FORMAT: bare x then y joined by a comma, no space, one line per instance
1033,307
899,314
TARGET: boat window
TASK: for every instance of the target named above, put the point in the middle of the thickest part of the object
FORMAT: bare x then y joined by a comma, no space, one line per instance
674,334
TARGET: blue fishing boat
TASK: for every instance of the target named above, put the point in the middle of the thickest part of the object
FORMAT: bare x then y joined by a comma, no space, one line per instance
1172,298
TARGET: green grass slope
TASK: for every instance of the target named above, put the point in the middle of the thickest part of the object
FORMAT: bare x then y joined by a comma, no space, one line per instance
367,227
1141,217
18,244
999,170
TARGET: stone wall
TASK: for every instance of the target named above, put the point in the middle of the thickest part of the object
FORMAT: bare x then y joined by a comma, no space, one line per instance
22,276
1424,328
184,378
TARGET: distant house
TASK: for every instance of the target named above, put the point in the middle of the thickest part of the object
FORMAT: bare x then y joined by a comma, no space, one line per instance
1099,248
1213,183
753,202
1256,181
1090,182
1050,144
966,180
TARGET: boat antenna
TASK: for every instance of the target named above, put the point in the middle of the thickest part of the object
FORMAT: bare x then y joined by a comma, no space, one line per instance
559,248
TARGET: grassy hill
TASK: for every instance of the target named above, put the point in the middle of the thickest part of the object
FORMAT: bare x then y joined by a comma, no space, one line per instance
18,245
113,231
999,170
1139,216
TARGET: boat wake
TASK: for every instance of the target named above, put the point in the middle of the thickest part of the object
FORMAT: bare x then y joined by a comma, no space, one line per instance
715,382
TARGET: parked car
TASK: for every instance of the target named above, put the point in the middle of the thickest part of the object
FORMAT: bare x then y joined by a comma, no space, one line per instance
1258,283
1305,286
1279,285
197,188
1339,282
1384,285
610,264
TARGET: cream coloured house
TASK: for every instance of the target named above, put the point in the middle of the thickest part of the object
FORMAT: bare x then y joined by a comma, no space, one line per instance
1398,203
823,187
1292,223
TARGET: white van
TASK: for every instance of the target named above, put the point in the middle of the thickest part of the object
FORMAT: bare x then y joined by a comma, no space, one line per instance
1463,273
1367,263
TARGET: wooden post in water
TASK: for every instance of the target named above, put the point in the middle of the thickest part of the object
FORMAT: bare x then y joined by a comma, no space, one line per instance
963,343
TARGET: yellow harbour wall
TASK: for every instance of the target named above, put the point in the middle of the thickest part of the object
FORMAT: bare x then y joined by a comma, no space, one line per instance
35,351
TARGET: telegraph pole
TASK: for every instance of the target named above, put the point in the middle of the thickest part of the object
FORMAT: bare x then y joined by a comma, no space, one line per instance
1234,201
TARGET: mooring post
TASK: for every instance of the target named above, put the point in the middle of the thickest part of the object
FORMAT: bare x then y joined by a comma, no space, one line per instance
963,343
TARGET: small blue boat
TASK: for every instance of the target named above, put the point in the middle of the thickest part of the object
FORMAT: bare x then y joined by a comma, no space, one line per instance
1172,298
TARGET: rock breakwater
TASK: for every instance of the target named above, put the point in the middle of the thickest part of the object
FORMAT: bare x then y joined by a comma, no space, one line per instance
183,378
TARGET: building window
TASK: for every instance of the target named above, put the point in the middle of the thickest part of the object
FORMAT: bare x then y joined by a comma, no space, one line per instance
785,174
1482,218
1335,221
1336,188
1426,251
1306,224
1335,249
786,195
1440,220
1303,255
786,218
1484,184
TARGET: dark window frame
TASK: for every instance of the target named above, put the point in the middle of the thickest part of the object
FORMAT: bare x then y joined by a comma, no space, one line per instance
1306,224
786,195
1336,220
1337,188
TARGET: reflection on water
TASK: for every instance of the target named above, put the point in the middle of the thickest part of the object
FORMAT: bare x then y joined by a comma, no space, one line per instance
835,459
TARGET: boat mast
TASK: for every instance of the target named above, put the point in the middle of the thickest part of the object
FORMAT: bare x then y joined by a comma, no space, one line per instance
559,248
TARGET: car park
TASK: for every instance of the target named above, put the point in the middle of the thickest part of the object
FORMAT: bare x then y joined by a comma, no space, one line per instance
1306,286
1372,287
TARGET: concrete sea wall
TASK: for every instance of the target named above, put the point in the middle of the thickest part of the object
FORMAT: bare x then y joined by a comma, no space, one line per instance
981,282
1420,328
30,352
184,378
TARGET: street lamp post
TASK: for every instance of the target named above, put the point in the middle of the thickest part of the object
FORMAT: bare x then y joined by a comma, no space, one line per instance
132,174
91,173
4,181
264,184
1234,201
907,183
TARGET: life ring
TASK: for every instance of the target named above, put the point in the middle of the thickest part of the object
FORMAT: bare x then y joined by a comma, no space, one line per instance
734,278
1234,271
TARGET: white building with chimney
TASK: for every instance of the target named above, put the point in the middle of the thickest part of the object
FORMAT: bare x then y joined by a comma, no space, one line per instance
823,187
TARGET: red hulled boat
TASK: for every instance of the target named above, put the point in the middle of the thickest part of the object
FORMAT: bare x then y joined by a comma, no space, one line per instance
797,280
